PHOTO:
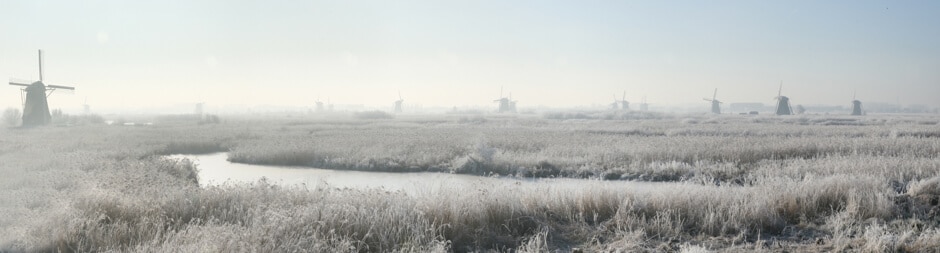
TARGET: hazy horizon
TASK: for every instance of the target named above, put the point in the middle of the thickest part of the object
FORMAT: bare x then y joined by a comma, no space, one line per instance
442,54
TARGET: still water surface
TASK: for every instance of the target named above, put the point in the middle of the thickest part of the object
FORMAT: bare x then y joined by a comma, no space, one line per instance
215,170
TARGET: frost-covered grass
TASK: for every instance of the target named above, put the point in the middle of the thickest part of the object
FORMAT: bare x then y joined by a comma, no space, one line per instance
738,184
721,148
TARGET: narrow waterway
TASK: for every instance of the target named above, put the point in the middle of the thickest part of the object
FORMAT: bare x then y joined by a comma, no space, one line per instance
215,170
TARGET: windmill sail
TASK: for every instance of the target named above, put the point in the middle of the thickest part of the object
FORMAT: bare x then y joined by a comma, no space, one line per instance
53,86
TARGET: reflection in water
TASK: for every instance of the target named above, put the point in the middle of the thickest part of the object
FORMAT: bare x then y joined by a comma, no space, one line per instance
215,170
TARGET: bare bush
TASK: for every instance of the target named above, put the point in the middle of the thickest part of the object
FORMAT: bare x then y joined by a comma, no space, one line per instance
12,117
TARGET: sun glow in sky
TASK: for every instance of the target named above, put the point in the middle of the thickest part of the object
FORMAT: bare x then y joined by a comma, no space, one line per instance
130,54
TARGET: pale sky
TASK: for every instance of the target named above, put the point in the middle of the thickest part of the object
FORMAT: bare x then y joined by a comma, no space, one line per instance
459,53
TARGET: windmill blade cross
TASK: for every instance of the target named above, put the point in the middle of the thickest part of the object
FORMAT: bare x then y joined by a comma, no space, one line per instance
60,87
40,65
780,91
17,81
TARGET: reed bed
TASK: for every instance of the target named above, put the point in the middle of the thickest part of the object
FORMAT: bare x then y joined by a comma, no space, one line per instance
721,183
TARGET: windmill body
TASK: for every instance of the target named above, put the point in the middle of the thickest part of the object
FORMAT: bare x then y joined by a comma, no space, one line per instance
505,104
86,106
624,105
198,111
716,105
856,108
399,103
36,107
35,102
783,103
783,106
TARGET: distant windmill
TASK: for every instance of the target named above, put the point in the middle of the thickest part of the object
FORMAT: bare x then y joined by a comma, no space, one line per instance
643,105
856,106
624,105
399,103
512,103
86,106
199,108
616,104
504,103
783,103
716,105
35,103
319,105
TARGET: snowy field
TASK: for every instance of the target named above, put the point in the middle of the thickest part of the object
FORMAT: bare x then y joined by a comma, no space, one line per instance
528,183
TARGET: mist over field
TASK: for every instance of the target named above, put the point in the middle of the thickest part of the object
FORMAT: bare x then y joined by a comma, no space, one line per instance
483,126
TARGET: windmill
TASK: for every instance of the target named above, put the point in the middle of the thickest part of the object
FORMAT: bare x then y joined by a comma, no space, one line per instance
716,105
783,103
643,105
319,105
621,103
199,108
86,106
512,103
398,103
856,106
616,104
35,103
504,103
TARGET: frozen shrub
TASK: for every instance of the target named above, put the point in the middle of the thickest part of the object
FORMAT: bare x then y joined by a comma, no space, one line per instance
12,117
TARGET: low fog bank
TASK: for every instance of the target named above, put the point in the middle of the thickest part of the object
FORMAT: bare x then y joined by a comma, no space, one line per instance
211,115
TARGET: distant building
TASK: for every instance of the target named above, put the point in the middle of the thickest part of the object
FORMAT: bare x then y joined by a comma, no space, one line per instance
746,107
